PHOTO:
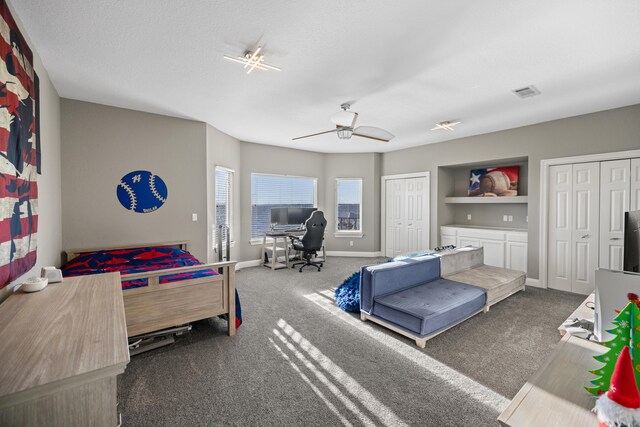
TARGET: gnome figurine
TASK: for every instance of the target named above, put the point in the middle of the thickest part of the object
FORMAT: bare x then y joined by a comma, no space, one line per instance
618,407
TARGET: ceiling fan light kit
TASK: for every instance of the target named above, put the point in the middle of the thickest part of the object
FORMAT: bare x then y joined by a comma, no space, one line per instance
345,121
252,60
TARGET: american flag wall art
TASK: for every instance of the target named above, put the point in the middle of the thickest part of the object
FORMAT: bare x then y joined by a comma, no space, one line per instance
19,152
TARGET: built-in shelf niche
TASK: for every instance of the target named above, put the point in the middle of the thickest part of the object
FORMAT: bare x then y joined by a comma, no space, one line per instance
454,204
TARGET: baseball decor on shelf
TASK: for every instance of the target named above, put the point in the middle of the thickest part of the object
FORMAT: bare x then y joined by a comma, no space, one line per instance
626,332
494,182
142,191
619,405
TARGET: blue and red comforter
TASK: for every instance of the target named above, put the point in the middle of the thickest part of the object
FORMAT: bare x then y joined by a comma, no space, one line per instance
139,260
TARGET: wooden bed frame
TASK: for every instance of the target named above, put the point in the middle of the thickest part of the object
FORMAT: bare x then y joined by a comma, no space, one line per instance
159,306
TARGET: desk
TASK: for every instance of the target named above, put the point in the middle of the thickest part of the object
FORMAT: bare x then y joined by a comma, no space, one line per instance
61,349
269,254
582,312
555,394
280,244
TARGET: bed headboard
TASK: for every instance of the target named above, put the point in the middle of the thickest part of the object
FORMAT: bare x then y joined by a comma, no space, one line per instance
72,253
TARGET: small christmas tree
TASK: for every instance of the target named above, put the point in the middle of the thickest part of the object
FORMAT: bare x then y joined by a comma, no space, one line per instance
626,332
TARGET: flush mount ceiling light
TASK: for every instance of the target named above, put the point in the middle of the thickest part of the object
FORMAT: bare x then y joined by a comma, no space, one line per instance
445,125
252,60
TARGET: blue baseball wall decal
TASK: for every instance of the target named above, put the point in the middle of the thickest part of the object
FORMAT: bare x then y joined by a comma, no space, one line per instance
142,191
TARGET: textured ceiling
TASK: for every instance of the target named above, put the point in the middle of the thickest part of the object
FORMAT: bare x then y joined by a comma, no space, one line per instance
405,64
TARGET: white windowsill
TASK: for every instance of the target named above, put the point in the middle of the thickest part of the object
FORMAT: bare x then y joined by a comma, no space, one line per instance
348,235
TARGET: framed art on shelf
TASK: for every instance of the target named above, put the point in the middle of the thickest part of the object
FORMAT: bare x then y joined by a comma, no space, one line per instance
494,182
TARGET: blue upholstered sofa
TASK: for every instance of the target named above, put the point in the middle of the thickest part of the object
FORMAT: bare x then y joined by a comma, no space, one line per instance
411,298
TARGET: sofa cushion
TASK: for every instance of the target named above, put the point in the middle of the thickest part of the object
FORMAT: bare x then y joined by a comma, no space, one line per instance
430,307
460,259
383,279
499,282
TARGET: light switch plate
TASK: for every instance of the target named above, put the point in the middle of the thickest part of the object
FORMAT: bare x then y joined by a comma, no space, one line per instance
468,217
510,218
505,218
194,217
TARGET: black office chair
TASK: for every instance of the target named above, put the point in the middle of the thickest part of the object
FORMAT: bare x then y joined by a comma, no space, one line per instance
311,241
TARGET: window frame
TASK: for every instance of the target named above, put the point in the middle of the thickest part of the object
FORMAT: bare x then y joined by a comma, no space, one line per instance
231,173
259,240
349,233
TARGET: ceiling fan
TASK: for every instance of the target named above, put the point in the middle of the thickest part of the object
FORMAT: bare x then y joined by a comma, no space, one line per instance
345,121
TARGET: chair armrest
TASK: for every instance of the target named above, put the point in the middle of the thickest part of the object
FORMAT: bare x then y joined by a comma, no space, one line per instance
295,238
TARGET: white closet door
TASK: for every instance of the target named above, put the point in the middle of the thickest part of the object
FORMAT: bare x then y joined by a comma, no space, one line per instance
560,229
416,211
584,243
635,185
615,185
396,234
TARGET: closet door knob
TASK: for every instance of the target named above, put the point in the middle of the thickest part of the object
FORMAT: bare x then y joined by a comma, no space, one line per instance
616,238
586,236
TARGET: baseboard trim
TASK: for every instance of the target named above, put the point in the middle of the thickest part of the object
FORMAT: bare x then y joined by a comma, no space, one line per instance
247,264
533,282
355,254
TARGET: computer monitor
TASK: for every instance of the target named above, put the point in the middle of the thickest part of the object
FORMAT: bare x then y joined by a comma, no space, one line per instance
290,216
632,241
278,215
299,215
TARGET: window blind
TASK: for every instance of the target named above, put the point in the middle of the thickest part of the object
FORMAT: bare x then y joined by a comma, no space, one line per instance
224,214
276,191
349,200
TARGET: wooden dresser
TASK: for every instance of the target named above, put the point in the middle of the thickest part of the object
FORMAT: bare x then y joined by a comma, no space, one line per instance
60,352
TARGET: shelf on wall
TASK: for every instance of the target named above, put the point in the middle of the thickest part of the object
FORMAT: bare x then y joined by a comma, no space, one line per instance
480,200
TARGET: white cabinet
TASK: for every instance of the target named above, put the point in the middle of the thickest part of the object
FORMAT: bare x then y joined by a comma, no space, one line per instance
502,247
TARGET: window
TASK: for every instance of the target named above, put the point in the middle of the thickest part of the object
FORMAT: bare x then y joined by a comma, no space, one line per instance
349,205
277,191
224,214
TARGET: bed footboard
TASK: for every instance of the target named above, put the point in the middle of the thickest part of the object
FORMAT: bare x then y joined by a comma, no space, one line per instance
158,306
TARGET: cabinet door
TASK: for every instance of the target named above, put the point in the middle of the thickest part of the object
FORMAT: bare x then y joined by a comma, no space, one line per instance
396,234
415,210
560,229
584,235
493,252
446,240
467,241
517,256
615,185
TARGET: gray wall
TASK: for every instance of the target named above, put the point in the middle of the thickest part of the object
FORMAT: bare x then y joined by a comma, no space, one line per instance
49,183
606,131
100,144
367,167
223,150
258,158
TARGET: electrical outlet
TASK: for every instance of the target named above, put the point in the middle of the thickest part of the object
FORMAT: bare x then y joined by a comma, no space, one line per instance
194,217
505,218
510,218
468,217
350,242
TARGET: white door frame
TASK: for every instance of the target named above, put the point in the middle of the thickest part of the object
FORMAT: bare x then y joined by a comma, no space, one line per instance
544,195
383,202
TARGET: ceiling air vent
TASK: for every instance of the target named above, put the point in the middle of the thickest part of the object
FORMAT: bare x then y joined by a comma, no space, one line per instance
527,92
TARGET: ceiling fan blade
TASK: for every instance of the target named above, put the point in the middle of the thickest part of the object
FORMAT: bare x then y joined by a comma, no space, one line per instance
315,134
373,133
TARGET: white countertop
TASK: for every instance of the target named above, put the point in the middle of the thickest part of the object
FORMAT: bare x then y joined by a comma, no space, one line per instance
480,227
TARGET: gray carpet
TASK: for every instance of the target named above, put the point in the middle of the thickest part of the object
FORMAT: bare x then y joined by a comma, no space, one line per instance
298,360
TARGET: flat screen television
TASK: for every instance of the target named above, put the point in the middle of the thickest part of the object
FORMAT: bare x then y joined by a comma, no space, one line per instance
290,216
632,241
